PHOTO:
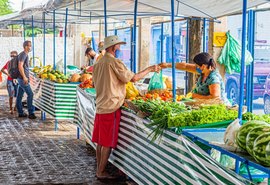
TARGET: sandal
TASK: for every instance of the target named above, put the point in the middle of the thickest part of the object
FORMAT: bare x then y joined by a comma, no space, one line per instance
107,177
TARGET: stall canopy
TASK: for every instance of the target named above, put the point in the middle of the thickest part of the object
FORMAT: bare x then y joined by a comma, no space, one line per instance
89,11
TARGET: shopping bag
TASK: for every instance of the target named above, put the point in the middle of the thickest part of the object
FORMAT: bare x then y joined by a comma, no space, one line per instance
156,81
230,55
230,133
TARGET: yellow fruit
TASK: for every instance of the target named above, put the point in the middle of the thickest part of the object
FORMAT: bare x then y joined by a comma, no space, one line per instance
44,76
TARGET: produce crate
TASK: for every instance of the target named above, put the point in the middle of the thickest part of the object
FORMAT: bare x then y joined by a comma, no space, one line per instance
56,99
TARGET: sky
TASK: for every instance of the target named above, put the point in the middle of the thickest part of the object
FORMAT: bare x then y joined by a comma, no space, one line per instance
16,4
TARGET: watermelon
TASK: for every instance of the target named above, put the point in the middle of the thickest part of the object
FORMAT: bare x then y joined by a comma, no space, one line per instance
259,148
252,136
243,132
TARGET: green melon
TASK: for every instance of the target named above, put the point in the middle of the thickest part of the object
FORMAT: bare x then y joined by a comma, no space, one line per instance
252,136
259,149
243,132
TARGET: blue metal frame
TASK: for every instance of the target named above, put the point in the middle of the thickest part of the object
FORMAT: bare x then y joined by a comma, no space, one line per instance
204,35
250,68
173,46
161,42
134,37
131,48
189,133
93,42
23,30
187,56
54,42
243,54
65,44
44,40
33,41
105,18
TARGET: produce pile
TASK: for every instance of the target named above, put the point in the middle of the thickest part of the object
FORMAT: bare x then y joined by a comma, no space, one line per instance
165,114
254,137
85,79
48,73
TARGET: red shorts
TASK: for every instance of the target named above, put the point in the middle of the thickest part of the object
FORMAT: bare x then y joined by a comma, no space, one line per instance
106,129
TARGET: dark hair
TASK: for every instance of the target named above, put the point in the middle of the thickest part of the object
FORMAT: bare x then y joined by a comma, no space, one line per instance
26,43
88,50
205,58
14,52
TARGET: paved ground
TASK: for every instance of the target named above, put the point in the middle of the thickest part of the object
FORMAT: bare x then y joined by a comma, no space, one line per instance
32,153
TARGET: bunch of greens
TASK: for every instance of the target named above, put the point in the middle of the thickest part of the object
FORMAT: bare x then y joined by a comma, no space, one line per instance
205,115
161,116
251,116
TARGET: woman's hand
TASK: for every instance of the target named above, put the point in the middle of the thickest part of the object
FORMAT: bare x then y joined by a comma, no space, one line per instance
154,68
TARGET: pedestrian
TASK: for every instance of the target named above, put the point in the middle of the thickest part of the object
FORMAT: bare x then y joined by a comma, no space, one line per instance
91,56
101,50
12,84
110,76
23,81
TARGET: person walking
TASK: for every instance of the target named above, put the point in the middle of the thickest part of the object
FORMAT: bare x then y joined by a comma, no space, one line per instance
23,81
12,84
110,76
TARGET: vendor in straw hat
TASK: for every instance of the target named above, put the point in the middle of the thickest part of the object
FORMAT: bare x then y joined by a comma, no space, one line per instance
110,76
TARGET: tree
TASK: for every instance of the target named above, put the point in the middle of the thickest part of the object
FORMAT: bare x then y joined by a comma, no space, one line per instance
5,7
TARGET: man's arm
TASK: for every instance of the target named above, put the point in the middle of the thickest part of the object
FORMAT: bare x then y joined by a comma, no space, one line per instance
142,74
5,71
21,69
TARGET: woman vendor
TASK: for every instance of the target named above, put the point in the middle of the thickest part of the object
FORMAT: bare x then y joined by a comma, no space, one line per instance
210,84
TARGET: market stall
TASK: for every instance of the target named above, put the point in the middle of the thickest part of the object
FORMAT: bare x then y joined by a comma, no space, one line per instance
56,99
173,159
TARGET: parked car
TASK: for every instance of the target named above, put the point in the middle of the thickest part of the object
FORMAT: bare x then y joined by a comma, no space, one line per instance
266,96
261,71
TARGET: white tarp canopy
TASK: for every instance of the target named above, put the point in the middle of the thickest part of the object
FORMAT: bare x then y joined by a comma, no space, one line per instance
87,11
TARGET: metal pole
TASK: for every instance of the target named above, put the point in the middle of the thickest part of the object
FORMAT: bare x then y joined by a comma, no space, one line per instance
187,55
131,48
115,31
93,42
242,74
23,30
105,18
65,44
204,35
33,41
252,64
173,57
247,103
54,43
161,42
251,21
135,35
44,40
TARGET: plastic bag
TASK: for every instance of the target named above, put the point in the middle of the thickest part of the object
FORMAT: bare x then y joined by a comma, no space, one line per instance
230,55
156,82
230,133
131,90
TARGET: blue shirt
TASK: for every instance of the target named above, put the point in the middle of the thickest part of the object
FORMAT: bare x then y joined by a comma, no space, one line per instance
23,57
214,77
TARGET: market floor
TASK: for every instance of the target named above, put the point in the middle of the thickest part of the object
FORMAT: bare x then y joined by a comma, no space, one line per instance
32,153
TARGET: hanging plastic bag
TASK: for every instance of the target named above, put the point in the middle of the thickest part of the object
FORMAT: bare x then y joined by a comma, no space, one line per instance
131,90
156,82
230,55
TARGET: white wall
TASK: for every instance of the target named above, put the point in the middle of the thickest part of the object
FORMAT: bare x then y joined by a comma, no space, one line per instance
8,44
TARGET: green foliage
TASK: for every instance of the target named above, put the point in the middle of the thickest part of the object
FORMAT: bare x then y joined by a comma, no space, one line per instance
5,7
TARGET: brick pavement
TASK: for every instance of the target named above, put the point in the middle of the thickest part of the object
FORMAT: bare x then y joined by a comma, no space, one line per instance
32,153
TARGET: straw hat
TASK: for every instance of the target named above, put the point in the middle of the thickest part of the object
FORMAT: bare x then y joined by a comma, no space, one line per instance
111,41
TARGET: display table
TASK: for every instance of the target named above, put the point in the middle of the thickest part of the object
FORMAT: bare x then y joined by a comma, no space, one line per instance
172,160
213,138
56,99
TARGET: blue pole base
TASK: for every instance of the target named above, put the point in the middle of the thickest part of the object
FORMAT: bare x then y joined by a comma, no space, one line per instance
43,115
78,133
55,125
